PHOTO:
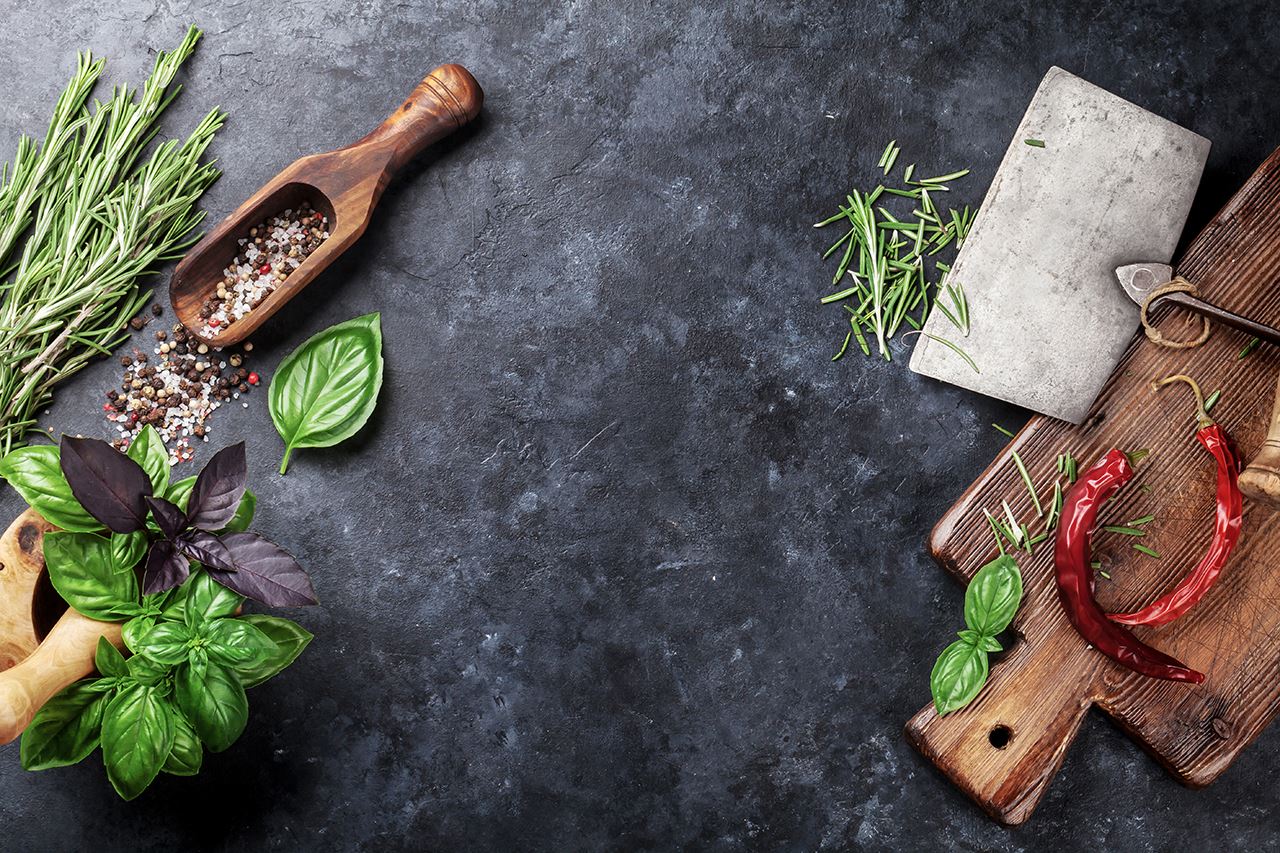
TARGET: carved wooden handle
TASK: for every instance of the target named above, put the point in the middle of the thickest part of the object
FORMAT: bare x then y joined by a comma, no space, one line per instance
445,101
65,656
1260,481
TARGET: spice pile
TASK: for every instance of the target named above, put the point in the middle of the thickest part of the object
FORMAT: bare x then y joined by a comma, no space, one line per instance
176,388
271,252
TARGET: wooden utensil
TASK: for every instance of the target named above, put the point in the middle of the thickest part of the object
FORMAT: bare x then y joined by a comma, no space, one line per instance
1005,747
36,666
1260,481
345,185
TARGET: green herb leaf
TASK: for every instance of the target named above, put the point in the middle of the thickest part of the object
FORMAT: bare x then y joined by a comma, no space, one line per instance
137,737
66,729
958,675
1002,430
1143,549
993,596
167,643
109,661
204,599
36,474
244,513
82,569
215,703
146,671
187,754
1212,400
1034,143
326,389
290,639
128,549
148,450
1248,348
236,643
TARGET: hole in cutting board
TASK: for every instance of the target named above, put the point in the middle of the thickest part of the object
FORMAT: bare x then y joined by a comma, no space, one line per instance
1000,736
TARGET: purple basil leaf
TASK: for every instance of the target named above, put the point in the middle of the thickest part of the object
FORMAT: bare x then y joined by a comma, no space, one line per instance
206,549
109,485
264,572
166,568
169,518
217,492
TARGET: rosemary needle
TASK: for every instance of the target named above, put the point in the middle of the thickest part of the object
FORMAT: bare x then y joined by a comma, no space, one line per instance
1026,480
1002,430
968,359
1143,549
1124,531
1034,143
1212,400
1248,348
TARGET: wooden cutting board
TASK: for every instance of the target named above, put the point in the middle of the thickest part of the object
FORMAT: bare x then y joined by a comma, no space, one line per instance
1004,748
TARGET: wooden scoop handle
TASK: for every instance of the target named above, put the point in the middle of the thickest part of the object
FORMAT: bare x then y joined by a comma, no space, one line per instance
65,656
1260,481
1005,747
445,101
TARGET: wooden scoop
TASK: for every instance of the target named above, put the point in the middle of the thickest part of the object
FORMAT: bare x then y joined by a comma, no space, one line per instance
36,666
344,185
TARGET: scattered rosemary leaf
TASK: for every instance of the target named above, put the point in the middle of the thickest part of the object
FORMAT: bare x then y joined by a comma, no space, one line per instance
1002,430
1143,549
1137,456
893,156
884,158
1212,400
1104,574
1248,348
1123,531
1138,522
848,337
1034,143
968,359
1026,481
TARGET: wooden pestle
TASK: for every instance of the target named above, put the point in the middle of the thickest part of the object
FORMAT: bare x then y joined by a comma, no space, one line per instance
1260,481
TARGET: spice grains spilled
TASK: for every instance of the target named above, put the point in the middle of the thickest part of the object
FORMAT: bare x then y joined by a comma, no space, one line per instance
267,256
176,388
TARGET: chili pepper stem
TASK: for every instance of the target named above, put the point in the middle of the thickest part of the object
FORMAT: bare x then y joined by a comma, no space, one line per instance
1202,417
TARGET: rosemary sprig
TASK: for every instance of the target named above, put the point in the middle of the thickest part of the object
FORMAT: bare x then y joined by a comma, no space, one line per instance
883,259
93,218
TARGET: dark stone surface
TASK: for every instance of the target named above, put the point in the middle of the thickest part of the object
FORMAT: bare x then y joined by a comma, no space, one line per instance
624,561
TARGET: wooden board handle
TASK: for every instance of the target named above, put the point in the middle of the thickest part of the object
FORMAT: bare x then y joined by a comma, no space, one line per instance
1003,750
1261,480
65,656
446,100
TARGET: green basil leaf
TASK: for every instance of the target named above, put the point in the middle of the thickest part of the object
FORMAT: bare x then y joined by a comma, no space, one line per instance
206,599
146,671
82,569
137,737
134,630
290,639
148,450
187,754
109,661
215,704
35,473
326,389
66,729
993,596
179,493
990,644
128,549
957,677
244,513
237,643
167,643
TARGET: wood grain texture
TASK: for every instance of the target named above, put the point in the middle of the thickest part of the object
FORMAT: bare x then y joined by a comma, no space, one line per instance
345,185
1042,687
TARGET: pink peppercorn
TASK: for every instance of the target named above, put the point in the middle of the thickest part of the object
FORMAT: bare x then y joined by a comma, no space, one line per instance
254,379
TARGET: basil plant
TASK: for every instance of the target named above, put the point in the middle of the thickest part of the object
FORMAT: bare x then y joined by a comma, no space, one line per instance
174,562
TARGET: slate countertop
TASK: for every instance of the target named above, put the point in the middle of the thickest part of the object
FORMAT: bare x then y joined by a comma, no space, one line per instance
623,560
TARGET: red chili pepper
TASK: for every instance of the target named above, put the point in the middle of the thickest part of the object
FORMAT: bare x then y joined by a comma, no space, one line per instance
1075,575
1226,528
